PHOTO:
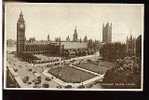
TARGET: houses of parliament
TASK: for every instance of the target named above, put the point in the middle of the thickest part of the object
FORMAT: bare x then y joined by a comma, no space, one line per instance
74,47
46,46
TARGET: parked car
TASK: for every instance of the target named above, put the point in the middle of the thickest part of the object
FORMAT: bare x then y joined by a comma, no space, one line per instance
81,86
25,79
45,85
47,79
58,86
68,86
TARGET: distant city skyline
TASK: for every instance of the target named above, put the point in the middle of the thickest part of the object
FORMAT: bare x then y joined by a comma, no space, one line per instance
60,20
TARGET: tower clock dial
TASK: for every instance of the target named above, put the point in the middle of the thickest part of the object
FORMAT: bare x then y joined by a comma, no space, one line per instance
21,26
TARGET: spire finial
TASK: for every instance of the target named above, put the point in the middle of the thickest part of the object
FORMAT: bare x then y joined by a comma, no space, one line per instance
75,30
76,27
21,14
103,25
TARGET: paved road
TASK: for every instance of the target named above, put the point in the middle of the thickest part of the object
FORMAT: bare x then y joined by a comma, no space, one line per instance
24,66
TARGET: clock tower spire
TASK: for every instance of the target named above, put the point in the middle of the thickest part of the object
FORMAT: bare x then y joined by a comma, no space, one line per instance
20,34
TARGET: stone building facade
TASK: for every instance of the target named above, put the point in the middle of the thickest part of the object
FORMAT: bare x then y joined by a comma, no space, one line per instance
57,48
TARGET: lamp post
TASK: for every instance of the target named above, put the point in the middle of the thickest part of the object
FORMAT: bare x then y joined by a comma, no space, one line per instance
59,56
60,50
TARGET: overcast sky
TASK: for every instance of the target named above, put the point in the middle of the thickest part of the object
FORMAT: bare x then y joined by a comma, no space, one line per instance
61,19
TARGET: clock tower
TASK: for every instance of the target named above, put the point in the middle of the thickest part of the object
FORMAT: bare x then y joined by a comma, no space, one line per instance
20,34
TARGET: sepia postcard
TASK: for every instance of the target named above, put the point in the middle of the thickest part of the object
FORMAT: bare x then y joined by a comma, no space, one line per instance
73,46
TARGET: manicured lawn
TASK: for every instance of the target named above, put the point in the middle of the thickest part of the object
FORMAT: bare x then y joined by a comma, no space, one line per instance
70,74
100,68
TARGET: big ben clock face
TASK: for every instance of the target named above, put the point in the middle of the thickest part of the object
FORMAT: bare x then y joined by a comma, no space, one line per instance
21,26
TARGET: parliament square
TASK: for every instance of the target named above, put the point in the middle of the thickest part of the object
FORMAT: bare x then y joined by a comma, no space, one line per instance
70,60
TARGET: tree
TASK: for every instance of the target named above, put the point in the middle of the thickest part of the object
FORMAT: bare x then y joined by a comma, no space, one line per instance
138,47
85,39
90,44
80,40
123,73
113,51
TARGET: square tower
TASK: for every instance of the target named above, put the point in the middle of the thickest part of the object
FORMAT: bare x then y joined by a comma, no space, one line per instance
20,34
